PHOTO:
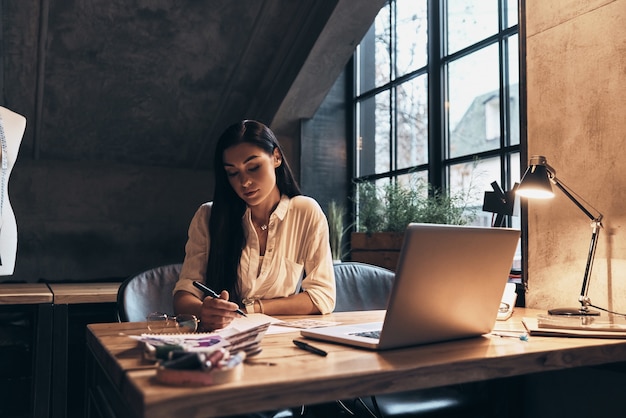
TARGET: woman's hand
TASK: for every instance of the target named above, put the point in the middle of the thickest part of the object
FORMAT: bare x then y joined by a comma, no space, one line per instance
217,312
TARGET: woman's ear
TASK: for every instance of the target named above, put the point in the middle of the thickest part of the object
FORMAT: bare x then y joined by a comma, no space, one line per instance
278,159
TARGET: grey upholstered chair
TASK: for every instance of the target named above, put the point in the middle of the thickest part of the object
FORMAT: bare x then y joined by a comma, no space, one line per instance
147,292
362,286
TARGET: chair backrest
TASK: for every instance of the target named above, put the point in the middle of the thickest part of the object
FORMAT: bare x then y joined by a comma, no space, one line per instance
362,286
147,292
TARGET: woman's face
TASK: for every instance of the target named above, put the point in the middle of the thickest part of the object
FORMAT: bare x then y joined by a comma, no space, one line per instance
251,172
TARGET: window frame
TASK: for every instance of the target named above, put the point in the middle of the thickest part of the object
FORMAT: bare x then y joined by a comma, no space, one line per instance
439,162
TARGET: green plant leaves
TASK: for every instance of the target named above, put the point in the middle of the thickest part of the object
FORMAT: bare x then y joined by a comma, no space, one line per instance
390,208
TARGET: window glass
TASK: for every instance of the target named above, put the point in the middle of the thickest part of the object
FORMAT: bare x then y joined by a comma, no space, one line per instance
514,172
365,64
417,180
410,108
374,54
411,36
511,13
470,180
412,122
470,21
514,109
475,178
474,102
373,145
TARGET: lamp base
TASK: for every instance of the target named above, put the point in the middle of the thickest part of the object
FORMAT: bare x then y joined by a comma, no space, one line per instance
573,312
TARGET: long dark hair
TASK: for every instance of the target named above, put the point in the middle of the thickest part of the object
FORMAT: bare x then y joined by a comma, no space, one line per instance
225,226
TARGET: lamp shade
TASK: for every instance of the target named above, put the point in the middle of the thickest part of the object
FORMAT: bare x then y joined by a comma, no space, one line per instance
536,182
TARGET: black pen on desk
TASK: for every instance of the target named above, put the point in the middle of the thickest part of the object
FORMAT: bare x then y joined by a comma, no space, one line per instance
309,348
209,292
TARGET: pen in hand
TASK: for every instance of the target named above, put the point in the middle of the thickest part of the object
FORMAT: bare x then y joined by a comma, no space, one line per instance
309,348
209,292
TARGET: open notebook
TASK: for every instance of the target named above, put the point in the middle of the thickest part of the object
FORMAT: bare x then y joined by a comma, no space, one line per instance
449,284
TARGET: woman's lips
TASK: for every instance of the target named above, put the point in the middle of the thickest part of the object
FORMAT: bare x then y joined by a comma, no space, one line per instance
250,193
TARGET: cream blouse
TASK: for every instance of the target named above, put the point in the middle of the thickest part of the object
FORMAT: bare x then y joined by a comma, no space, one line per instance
297,255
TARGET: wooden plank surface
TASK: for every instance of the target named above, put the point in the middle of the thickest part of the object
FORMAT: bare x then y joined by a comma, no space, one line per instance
71,293
24,293
282,375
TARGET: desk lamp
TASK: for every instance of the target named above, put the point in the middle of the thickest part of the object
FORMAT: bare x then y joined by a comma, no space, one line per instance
536,184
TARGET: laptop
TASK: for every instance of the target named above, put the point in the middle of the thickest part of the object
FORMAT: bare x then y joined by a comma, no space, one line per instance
449,283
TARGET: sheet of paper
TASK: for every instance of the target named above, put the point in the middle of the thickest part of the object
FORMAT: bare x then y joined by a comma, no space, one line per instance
306,323
508,302
245,322
257,318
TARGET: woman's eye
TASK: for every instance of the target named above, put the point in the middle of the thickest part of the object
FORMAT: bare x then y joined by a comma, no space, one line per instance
255,168
231,174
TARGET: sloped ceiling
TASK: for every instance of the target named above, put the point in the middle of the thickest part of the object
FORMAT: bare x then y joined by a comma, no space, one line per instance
154,82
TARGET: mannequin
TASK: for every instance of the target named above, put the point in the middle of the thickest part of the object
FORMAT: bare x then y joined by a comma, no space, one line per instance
12,128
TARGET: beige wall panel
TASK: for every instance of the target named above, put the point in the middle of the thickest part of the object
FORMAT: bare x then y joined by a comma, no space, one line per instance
576,118
546,14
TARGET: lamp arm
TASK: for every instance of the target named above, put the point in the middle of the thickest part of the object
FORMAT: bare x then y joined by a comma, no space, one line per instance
571,197
596,224
584,300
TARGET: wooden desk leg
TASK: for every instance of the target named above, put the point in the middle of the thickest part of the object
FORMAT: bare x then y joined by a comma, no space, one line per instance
59,358
102,397
42,368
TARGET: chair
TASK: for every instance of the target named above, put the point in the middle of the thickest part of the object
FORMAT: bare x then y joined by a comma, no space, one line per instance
151,291
362,286
147,292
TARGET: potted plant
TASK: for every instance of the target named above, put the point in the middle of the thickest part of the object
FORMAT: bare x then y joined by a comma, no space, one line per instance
337,230
385,211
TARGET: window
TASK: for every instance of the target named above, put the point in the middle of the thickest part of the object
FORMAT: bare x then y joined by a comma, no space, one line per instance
437,97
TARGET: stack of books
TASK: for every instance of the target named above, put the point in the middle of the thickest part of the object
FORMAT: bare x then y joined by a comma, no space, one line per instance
602,326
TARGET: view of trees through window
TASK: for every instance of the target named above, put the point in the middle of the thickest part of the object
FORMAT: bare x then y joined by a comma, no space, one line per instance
437,98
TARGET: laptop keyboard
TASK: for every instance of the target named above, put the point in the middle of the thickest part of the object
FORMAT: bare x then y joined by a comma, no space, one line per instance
368,334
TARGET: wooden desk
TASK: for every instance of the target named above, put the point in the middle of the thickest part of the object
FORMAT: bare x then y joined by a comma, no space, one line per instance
24,293
36,294
64,295
71,293
117,374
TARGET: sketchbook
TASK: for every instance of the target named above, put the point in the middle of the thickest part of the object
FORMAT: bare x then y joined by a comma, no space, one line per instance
245,335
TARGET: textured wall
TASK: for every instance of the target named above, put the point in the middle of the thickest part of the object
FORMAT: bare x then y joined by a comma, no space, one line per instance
324,152
87,221
124,100
576,69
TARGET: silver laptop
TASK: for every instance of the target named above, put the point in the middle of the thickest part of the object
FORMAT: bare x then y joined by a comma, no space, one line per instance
448,285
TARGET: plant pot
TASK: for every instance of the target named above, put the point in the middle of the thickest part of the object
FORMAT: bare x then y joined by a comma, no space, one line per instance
378,248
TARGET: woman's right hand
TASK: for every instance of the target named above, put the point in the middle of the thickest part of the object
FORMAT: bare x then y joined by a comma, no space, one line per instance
217,313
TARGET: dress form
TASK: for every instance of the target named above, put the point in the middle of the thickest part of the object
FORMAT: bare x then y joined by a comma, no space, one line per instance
12,126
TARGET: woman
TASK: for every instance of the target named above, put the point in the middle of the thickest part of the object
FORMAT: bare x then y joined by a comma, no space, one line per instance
260,243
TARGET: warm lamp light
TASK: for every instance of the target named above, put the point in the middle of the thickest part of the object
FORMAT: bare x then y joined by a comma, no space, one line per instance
536,181
536,184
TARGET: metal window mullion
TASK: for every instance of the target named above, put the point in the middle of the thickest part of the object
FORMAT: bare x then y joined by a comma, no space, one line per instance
505,96
505,108
392,90
436,93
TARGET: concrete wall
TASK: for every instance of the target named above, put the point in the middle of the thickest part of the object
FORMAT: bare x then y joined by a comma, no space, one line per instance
576,69
89,221
124,101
